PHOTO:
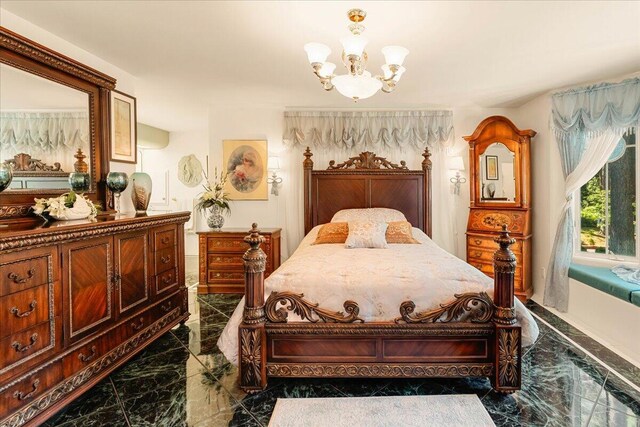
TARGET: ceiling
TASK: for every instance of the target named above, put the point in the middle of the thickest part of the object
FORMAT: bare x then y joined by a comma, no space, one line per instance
188,55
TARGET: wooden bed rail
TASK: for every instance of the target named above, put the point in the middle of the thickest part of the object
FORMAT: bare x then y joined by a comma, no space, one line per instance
498,326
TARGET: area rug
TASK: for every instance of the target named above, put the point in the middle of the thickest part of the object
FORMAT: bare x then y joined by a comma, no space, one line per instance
459,410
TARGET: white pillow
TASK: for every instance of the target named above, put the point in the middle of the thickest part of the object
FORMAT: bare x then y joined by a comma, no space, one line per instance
368,214
366,234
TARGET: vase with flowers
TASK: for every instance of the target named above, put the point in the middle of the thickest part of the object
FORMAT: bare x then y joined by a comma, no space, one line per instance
214,200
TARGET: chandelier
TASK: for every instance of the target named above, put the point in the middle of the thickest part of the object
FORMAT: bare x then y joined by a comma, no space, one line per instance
358,83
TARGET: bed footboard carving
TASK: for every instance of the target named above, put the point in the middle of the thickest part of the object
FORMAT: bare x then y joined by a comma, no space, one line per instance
307,310
478,306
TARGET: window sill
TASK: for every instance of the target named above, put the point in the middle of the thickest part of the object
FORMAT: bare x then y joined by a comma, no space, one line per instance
603,279
601,261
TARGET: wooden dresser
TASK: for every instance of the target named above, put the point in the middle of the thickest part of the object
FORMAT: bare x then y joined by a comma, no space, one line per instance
77,300
499,155
221,265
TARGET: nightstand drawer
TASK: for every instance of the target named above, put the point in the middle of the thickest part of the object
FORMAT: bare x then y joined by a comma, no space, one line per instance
236,277
222,244
225,261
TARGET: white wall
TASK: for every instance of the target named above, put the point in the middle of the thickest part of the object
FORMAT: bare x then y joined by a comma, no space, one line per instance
125,81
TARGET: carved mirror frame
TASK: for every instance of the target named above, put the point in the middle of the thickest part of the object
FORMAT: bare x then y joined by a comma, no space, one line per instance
27,55
501,129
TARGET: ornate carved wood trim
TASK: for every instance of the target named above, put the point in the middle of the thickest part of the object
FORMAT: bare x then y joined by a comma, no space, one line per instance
366,160
381,329
69,385
385,370
251,356
307,310
508,378
23,164
478,306
48,236
37,52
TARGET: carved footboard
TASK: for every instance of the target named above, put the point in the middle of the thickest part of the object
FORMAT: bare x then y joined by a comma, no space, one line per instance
472,335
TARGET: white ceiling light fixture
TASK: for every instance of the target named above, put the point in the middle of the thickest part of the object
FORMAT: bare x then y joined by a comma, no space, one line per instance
358,83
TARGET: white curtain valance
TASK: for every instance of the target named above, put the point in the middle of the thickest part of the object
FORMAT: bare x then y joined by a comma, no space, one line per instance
361,130
590,111
45,131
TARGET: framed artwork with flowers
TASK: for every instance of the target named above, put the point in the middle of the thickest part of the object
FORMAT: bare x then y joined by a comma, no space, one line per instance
245,162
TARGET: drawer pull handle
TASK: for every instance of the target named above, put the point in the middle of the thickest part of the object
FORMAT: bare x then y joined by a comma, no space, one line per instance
165,259
164,240
217,274
16,312
478,253
22,396
477,241
218,259
137,327
20,280
22,348
88,358
167,279
167,307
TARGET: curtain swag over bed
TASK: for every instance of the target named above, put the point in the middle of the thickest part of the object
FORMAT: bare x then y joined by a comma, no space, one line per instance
396,135
588,124
43,131
360,130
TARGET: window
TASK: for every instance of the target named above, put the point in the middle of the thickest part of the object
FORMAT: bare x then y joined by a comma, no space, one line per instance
608,211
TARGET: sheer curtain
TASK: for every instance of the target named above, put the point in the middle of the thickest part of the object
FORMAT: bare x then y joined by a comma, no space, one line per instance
398,135
588,124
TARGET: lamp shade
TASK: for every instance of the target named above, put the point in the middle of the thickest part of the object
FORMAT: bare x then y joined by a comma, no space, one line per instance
327,69
273,163
394,55
456,163
358,86
317,52
388,73
354,44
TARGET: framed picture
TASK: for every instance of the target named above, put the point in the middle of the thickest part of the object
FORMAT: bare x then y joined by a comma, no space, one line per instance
491,168
246,165
123,128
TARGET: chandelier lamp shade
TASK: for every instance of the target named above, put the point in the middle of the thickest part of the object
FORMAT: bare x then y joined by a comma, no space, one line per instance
358,83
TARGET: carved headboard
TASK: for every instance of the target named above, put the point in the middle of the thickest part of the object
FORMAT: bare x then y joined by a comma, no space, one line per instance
367,181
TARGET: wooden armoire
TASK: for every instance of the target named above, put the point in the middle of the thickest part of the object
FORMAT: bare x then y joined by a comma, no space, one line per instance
500,172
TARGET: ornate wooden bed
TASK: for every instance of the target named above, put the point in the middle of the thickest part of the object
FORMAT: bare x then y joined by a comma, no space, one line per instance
435,343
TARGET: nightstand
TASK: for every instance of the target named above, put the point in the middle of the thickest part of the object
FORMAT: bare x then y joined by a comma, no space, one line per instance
220,258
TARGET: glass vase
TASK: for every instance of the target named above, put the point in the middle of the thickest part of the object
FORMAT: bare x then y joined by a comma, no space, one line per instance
215,220
79,181
117,182
6,176
140,191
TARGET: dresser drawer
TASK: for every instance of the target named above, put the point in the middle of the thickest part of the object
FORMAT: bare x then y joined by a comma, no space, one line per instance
25,345
490,220
225,261
22,310
225,277
165,239
487,243
28,388
167,305
165,259
166,281
87,354
23,271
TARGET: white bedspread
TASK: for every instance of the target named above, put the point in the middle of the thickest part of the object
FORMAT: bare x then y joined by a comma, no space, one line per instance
379,280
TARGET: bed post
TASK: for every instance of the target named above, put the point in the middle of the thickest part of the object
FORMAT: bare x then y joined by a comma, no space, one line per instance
308,167
253,338
426,167
508,348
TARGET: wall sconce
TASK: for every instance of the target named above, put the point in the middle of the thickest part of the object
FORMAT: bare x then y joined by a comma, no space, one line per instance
456,164
273,165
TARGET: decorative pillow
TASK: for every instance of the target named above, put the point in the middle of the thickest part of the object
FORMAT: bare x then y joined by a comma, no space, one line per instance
368,214
333,232
399,232
366,234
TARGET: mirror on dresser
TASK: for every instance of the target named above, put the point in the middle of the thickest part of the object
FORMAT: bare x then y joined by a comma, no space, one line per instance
498,182
53,121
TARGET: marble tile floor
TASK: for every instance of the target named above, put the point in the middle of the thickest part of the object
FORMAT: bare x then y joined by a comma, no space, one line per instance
182,379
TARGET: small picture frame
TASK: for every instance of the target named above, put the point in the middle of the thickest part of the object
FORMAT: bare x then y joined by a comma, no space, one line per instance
491,168
123,147
245,163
